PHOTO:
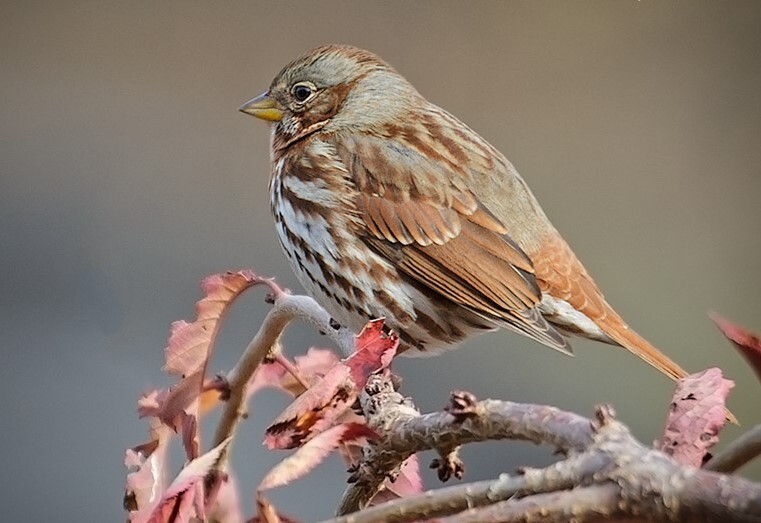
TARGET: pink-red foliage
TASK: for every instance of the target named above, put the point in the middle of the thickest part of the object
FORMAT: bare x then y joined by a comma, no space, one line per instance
696,416
331,396
745,341
319,420
408,482
311,453
177,411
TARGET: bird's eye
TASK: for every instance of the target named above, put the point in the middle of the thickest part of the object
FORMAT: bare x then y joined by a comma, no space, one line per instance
302,91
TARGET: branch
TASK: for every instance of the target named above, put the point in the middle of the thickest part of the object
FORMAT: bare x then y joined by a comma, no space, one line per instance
741,451
614,474
606,473
579,505
286,308
451,500
406,432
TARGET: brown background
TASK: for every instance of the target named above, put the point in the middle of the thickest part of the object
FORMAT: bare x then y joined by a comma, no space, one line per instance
126,175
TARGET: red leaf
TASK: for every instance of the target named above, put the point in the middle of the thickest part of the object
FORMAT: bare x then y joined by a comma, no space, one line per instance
267,375
146,479
196,470
316,362
373,350
314,411
179,408
187,346
140,482
226,507
180,397
184,497
407,483
312,366
266,513
326,400
746,342
189,429
309,455
149,403
697,415
190,343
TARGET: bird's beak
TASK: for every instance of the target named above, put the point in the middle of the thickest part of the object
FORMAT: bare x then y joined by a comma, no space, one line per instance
263,107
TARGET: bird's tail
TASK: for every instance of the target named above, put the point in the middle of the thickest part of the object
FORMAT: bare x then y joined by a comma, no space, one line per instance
643,349
640,347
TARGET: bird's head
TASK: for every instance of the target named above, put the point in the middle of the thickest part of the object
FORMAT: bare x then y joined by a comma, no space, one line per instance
332,88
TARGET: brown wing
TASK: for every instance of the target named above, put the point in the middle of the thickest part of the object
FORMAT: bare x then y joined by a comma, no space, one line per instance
434,229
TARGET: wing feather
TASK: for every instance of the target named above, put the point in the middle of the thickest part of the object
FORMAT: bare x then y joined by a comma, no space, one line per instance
419,213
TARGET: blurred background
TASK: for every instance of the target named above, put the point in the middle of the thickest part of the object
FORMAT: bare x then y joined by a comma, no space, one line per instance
126,176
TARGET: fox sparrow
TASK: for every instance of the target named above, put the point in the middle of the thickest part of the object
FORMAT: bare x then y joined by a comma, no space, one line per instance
388,206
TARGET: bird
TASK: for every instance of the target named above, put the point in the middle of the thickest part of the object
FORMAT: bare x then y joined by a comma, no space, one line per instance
387,206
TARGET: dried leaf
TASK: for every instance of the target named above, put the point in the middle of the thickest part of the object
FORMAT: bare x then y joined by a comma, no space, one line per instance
140,482
184,498
697,415
179,409
746,342
329,397
374,350
267,375
190,343
408,482
226,507
309,455
149,403
180,398
147,471
189,430
314,411
266,513
312,366
197,469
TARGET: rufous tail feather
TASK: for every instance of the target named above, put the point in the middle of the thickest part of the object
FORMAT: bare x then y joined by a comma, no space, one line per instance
641,348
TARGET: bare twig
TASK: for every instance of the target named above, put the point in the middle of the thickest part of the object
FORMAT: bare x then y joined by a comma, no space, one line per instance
620,476
578,505
291,369
738,453
286,308
451,500
406,432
